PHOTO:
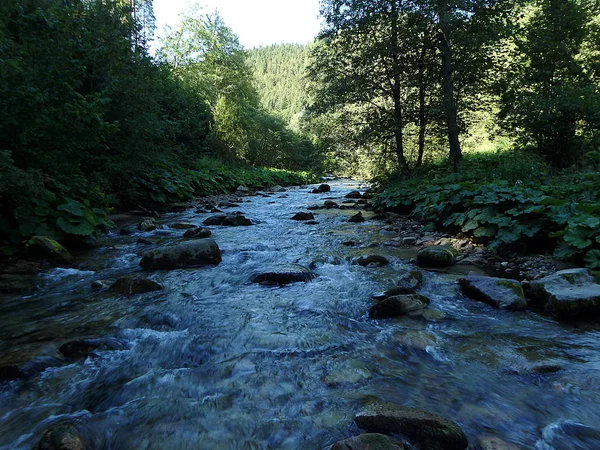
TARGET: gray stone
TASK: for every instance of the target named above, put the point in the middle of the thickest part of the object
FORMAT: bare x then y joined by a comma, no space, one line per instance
197,233
329,204
371,260
398,305
303,216
354,194
370,441
241,188
193,253
357,218
324,188
148,224
286,274
49,249
228,220
412,279
409,241
498,292
63,437
569,293
424,429
436,256
494,443
277,188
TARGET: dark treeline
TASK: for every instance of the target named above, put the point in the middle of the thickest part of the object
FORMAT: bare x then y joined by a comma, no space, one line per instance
90,121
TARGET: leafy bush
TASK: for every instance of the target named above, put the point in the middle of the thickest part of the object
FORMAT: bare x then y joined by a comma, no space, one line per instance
563,216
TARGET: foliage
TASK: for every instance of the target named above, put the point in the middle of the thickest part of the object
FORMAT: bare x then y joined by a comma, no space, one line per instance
557,213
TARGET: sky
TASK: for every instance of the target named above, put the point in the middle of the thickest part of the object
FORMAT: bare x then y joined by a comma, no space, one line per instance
256,22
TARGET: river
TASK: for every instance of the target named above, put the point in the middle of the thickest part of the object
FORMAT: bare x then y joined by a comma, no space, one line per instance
216,362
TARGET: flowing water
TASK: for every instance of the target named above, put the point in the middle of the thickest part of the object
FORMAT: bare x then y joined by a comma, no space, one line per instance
216,362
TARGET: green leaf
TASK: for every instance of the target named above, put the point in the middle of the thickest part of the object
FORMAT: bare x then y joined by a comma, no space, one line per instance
578,238
485,232
73,207
564,251
592,259
82,229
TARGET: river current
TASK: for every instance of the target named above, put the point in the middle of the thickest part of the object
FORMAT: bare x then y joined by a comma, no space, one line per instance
215,362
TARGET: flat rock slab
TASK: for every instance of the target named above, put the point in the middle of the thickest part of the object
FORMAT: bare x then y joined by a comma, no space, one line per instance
498,292
569,294
398,305
370,441
286,274
193,253
424,429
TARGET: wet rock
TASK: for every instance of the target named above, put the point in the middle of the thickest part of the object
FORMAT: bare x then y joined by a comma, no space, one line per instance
324,188
228,205
568,294
349,243
145,241
242,188
197,233
354,194
277,188
371,260
436,256
182,226
413,279
473,260
322,260
49,249
351,371
63,437
429,315
329,204
147,224
424,429
99,284
134,285
228,220
313,207
179,207
303,216
397,306
370,441
409,241
357,218
498,292
542,369
311,222
193,253
494,443
286,274
86,347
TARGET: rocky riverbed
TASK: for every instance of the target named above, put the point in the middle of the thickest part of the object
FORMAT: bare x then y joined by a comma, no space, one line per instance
296,318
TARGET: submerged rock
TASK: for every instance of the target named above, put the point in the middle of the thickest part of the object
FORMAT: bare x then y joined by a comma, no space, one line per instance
424,429
371,260
398,306
50,249
63,437
286,274
436,256
494,443
303,216
569,293
193,253
197,233
498,292
85,347
333,260
416,339
369,441
147,224
134,285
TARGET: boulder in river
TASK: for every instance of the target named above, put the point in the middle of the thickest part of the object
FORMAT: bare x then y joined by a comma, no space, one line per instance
86,347
193,253
424,429
436,256
197,233
498,292
354,194
371,260
357,218
398,305
134,285
285,274
370,441
412,279
277,188
324,188
50,249
182,226
62,437
242,188
569,294
228,220
330,204
303,216
147,224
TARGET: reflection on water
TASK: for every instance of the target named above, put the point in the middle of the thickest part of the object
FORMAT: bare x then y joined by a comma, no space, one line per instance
214,361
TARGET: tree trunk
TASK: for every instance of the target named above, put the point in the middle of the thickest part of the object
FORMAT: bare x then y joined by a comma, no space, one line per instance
448,84
398,117
422,105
